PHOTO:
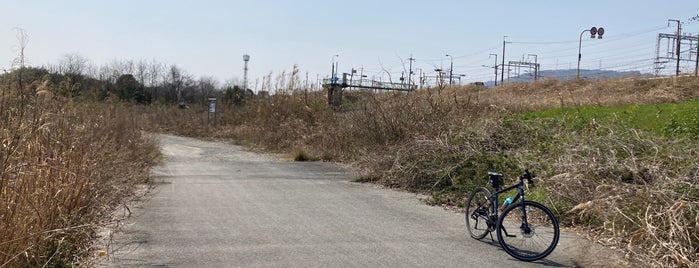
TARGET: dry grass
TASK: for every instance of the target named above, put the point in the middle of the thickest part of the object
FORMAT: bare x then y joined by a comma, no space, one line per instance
552,93
63,167
634,192
630,189
65,164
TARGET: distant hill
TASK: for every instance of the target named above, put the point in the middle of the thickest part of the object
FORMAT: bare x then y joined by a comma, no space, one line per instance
568,74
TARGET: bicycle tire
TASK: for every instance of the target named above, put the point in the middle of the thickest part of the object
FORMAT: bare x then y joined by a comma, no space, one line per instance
477,213
528,245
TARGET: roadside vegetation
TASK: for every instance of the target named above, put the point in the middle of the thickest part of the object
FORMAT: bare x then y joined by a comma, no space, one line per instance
615,159
65,165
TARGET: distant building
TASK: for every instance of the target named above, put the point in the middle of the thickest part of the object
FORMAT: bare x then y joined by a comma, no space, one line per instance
478,84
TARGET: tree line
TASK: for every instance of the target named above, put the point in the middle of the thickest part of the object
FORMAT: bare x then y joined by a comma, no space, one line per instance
139,81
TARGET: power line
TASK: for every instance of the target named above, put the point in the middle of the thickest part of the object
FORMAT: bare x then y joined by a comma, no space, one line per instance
620,52
618,36
461,56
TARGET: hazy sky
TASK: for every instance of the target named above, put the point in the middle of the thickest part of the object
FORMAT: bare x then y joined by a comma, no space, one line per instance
209,37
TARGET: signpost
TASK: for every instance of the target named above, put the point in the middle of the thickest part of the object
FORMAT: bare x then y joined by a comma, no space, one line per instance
212,110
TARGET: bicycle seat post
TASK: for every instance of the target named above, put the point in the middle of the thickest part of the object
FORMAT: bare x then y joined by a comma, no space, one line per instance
495,180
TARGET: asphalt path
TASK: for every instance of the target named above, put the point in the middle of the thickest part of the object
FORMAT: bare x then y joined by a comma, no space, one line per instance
218,205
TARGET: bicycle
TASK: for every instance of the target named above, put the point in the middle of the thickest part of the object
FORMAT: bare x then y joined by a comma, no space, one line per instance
526,230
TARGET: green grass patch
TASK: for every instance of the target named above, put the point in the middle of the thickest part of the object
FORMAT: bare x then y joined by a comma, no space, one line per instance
667,119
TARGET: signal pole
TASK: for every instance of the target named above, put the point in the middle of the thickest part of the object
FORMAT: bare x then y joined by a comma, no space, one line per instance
677,73
594,31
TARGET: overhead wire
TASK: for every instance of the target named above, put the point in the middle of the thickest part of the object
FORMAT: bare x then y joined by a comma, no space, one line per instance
617,55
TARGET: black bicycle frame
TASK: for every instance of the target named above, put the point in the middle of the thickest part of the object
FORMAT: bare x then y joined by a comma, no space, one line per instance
520,194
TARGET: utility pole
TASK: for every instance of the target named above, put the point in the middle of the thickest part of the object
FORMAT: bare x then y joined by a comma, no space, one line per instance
451,69
677,73
502,75
696,62
410,73
495,66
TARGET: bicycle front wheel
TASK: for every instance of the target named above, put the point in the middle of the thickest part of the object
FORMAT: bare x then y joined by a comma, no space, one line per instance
528,240
477,213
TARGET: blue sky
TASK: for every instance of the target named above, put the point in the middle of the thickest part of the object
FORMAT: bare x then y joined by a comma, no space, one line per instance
210,37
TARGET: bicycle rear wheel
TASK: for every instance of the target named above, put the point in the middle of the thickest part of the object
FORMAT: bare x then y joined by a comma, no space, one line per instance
531,240
477,211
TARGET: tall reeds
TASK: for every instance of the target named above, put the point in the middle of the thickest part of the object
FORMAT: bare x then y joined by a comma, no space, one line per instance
64,166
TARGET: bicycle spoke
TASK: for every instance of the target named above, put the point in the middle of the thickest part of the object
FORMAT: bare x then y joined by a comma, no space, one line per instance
476,214
534,242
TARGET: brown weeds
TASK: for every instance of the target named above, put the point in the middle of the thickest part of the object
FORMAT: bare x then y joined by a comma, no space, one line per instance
63,166
633,191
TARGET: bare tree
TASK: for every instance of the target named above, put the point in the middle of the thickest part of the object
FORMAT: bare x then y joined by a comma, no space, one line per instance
207,86
155,73
73,64
155,78
141,71
189,89
21,59
177,81
231,82
110,72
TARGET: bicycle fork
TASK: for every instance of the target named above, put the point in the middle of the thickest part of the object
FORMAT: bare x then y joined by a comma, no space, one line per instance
524,228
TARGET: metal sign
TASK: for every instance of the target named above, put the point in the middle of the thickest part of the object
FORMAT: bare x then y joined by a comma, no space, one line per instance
212,110
212,105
